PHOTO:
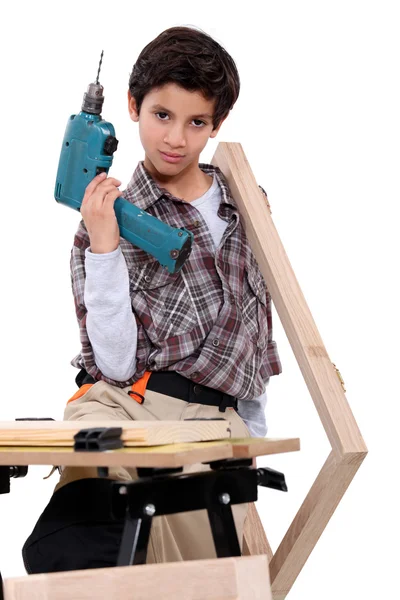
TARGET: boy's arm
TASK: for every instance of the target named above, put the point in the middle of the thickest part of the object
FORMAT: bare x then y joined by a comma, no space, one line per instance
100,285
110,322
86,357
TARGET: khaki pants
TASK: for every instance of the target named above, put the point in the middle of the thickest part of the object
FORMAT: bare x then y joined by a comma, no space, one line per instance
181,536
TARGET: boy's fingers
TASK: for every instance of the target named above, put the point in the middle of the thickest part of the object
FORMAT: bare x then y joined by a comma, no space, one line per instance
108,181
104,187
96,182
101,195
98,195
97,203
111,197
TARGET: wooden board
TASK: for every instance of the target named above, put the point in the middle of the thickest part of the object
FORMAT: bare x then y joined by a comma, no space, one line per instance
322,378
250,447
242,578
173,455
255,541
135,433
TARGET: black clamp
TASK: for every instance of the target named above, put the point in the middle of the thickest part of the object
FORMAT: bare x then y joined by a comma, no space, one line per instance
265,477
230,463
6,473
98,439
271,479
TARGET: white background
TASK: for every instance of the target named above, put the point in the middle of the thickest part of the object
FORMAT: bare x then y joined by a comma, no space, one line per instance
318,118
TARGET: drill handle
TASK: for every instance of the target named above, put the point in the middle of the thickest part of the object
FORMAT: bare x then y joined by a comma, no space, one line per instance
169,245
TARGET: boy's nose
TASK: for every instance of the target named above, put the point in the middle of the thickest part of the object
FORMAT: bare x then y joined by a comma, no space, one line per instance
175,138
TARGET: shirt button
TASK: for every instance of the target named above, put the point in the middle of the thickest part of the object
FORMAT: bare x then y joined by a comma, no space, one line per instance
147,278
194,375
232,299
196,224
215,342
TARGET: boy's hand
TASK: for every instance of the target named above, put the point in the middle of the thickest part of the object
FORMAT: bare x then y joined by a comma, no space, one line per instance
97,211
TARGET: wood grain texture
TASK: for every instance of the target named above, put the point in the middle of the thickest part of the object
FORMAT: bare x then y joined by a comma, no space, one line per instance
248,447
255,541
243,578
320,375
171,455
134,433
309,523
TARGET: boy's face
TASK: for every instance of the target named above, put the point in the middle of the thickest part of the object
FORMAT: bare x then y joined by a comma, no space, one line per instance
174,121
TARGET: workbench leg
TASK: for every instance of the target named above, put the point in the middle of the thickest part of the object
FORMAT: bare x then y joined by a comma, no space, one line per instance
223,530
135,539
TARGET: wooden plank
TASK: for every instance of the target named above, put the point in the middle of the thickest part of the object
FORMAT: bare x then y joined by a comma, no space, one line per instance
317,369
243,578
171,455
250,447
309,523
255,541
135,433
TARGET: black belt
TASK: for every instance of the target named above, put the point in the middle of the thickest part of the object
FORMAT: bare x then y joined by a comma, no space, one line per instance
172,384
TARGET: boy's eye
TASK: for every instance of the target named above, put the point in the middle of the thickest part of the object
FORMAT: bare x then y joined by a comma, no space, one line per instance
199,124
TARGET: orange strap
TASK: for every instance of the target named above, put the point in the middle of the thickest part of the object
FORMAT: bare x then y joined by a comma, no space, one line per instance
139,388
82,390
137,391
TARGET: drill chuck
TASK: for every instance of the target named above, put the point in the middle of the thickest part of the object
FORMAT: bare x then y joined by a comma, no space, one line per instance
93,99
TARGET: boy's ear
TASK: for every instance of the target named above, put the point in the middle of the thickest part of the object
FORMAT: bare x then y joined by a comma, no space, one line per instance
215,131
133,113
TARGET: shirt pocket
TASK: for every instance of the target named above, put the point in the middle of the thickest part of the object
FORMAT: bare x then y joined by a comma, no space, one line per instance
163,297
254,307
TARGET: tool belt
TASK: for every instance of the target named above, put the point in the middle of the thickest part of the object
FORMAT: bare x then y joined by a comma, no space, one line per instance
172,384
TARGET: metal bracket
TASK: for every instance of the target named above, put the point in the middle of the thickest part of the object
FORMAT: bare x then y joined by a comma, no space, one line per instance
339,376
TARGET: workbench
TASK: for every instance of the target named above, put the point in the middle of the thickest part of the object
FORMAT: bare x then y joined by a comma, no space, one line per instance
229,576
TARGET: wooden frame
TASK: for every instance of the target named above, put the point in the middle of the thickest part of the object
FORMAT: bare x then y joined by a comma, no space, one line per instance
321,376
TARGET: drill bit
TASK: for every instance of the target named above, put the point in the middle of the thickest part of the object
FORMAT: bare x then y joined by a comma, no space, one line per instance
93,99
98,72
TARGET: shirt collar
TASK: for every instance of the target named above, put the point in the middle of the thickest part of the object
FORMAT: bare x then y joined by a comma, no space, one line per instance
143,191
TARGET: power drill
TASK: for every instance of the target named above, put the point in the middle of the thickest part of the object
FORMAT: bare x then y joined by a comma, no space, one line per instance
87,150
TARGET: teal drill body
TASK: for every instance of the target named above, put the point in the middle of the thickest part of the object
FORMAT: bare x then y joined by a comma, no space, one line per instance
87,149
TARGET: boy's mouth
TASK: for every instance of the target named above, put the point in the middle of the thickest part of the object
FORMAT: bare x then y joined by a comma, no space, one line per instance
172,158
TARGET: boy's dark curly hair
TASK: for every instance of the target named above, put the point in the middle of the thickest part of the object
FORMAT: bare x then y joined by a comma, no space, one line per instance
192,59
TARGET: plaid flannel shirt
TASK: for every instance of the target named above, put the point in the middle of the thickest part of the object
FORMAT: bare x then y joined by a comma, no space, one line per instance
211,322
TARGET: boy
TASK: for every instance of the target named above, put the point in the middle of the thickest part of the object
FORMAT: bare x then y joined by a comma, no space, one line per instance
156,345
